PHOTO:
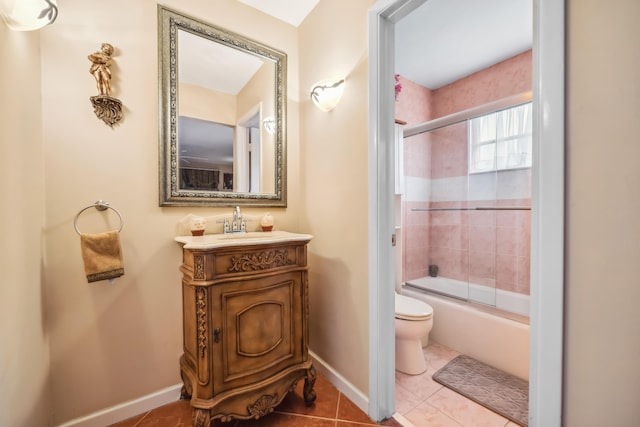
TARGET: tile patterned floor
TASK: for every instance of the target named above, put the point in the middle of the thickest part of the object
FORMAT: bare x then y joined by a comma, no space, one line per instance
331,409
425,403
420,402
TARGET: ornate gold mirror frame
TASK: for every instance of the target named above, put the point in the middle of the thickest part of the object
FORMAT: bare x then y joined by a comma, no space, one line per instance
170,24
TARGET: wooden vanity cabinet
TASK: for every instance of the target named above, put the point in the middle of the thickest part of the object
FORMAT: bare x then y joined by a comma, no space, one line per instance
245,320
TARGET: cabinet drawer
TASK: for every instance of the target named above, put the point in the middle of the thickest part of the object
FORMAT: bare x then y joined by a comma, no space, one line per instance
245,260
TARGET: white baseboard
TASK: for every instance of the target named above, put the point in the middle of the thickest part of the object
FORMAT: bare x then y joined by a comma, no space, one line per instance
348,389
128,409
170,394
341,383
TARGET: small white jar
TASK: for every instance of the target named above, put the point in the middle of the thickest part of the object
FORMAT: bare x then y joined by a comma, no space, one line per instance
267,222
197,226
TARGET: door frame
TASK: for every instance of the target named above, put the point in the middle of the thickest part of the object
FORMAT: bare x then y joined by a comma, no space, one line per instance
547,216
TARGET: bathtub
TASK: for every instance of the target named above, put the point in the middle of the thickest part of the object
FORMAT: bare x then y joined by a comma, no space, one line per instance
490,335
511,302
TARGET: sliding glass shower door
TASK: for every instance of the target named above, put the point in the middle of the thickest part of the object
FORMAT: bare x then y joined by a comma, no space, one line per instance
466,209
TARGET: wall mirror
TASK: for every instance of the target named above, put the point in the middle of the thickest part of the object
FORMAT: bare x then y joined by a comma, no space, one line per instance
222,116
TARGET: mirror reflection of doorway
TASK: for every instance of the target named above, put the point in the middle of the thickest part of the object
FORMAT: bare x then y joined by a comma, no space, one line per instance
247,150
254,159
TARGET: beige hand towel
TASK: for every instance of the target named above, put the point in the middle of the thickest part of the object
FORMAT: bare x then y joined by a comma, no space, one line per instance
102,255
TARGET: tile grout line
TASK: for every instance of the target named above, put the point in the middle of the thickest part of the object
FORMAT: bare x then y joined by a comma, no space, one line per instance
141,419
292,414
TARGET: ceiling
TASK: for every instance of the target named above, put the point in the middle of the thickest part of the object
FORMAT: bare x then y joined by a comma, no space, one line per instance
445,40
203,140
467,35
438,43
213,65
290,11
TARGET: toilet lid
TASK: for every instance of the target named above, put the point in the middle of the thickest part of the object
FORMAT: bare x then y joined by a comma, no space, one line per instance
408,308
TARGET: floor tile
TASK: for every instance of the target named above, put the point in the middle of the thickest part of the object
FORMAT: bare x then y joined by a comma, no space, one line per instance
420,400
405,399
426,415
348,411
326,404
437,355
391,422
287,420
176,414
341,423
465,411
421,386
131,422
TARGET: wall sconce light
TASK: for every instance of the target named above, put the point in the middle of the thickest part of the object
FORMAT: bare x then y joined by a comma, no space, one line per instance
326,94
28,15
269,125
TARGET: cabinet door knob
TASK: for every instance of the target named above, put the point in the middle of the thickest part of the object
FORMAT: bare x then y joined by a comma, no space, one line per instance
216,335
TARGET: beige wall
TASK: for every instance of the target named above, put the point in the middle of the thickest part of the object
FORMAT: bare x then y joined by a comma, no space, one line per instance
602,366
112,343
258,91
334,178
206,104
103,336
24,348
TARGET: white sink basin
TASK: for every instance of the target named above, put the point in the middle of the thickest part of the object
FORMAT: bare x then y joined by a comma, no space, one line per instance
248,235
209,241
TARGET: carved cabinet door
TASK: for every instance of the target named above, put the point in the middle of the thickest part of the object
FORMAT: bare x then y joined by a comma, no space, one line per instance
256,328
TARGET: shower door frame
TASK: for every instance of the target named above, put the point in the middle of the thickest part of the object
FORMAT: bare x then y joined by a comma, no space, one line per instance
547,242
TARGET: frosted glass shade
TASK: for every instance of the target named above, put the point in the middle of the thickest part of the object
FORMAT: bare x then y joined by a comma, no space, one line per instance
326,94
27,15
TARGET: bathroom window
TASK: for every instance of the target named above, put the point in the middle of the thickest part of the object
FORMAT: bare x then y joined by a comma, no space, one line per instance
501,140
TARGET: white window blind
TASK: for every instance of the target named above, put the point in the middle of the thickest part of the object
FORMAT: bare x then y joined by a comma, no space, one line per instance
501,140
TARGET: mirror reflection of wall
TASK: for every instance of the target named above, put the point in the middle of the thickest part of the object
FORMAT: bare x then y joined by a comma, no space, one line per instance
227,89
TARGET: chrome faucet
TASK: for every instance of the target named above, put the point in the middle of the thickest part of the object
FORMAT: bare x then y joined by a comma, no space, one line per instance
238,225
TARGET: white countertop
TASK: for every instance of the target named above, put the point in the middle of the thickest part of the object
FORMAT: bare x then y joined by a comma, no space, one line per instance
211,241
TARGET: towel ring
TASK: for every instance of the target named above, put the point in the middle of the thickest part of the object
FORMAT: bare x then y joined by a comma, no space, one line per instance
100,205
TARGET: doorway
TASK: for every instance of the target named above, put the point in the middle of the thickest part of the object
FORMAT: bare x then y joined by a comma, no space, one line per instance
547,247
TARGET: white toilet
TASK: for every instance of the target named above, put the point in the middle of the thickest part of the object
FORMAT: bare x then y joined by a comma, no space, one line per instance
414,320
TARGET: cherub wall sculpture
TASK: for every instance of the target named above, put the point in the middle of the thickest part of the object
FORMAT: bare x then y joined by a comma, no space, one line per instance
106,107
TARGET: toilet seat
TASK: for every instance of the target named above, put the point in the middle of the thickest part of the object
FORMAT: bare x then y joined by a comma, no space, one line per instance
408,308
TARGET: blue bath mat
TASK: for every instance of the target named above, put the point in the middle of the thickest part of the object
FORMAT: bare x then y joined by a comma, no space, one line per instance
490,387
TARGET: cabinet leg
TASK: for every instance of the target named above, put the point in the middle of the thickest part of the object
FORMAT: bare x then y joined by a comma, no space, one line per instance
184,394
201,417
309,382
186,391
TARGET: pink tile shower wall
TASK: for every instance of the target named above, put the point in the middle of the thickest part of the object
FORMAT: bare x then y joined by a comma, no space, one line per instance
413,103
413,106
490,248
506,78
484,247
416,240
449,152
449,245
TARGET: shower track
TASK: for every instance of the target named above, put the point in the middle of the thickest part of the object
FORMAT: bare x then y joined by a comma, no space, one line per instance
461,116
479,208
